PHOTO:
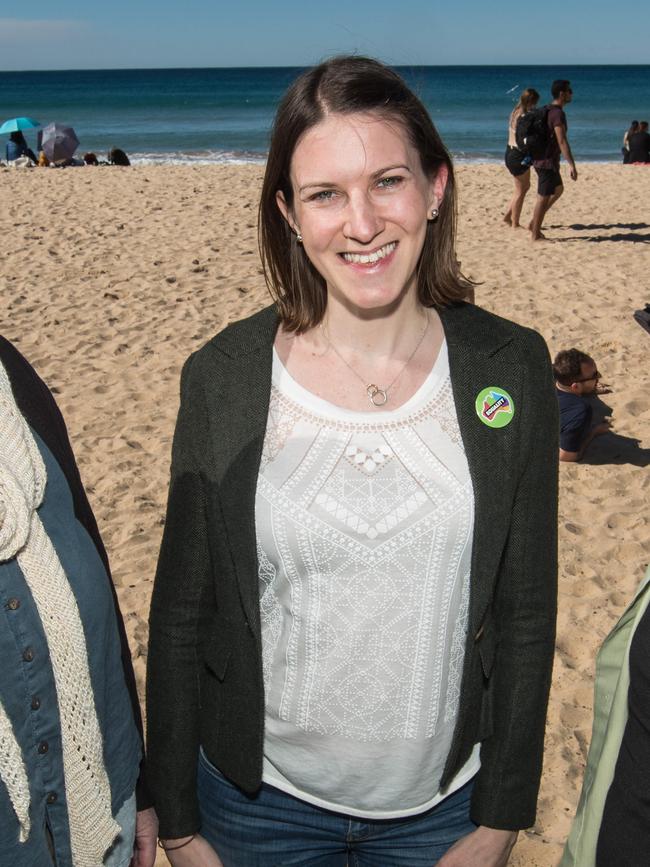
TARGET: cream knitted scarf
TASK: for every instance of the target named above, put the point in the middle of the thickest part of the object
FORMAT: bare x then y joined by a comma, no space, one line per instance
22,535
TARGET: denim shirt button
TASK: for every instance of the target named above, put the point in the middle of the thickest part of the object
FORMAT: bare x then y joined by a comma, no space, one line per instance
43,747
28,654
35,703
52,798
13,605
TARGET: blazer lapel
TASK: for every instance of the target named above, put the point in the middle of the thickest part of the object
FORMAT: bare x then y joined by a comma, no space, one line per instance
238,405
477,361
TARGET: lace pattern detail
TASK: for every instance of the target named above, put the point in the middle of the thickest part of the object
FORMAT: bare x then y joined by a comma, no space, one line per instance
457,654
364,534
270,613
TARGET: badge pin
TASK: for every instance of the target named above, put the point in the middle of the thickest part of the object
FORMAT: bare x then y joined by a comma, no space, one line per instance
495,407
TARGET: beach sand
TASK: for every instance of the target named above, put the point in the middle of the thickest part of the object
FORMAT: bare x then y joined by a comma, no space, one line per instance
111,277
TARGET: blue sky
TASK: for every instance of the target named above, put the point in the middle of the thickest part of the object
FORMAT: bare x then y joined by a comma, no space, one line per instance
168,33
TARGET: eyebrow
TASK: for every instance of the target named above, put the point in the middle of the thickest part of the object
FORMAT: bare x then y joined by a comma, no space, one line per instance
374,175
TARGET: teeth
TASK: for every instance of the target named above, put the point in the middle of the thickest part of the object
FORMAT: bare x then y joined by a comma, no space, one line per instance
369,258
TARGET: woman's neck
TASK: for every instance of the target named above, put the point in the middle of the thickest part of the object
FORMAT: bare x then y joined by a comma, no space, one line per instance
386,335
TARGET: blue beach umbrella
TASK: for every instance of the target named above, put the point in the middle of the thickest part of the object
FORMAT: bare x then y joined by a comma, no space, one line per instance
18,123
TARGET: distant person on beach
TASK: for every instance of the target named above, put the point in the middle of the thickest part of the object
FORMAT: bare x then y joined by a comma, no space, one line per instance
576,376
518,163
17,147
640,145
634,127
353,618
71,792
549,179
117,157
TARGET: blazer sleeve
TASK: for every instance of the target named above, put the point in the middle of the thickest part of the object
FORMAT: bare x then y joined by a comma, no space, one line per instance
524,613
182,579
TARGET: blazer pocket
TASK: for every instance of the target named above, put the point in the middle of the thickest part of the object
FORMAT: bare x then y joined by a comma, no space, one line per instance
487,648
486,645
217,650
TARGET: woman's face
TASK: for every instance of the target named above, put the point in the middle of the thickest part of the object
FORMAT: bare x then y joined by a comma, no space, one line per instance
361,201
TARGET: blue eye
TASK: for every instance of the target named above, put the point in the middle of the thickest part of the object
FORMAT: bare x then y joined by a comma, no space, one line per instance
389,182
322,196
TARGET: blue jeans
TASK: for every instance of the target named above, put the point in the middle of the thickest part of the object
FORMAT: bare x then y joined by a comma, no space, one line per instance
120,853
274,829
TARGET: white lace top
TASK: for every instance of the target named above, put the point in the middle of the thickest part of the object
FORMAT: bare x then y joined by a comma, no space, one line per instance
364,526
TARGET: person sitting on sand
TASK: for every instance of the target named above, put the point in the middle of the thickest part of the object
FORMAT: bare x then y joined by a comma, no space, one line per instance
17,147
517,163
117,157
576,376
640,145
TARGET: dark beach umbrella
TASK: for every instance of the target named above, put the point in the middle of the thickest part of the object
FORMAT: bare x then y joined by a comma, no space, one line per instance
58,142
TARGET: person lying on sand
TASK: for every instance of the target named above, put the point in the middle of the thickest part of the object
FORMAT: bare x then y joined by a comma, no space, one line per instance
576,376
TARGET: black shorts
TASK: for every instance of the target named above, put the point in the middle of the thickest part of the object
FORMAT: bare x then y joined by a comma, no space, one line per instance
515,161
548,180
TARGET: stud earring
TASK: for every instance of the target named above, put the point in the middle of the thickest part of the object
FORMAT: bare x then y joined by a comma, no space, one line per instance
299,237
434,213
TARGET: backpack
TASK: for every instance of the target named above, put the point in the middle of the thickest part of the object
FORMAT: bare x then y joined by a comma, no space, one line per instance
532,133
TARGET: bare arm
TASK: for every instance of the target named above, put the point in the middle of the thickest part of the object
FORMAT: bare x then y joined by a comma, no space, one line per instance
563,141
596,431
488,847
146,834
197,853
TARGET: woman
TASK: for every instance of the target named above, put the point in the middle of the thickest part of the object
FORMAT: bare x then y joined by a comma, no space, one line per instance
633,128
17,147
517,163
353,618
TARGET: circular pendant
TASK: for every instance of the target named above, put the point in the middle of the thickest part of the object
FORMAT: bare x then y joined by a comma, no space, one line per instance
377,396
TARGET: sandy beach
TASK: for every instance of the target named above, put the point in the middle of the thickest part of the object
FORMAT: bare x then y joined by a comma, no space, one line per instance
110,277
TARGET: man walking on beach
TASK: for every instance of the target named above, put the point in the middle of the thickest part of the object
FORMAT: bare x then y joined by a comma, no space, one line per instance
549,179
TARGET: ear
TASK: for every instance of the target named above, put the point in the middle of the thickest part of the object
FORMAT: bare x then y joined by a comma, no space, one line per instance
437,186
284,210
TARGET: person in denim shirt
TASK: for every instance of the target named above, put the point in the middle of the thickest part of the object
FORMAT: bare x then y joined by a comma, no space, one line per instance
17,147
70,731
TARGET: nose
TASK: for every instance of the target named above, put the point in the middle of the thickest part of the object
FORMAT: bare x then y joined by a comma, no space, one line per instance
363,222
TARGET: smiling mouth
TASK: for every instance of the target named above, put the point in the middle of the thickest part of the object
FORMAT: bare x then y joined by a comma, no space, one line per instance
369,258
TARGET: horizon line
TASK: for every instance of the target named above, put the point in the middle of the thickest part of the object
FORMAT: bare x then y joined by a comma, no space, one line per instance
308,66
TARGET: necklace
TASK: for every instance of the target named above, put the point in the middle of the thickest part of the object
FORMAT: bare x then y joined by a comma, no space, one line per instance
376,395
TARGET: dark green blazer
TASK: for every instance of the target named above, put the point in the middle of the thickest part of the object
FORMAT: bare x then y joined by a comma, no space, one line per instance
205,663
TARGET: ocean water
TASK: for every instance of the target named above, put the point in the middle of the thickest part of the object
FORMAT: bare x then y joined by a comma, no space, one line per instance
224,115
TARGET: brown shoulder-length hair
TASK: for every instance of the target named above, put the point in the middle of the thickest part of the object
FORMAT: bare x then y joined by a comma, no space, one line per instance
528,99
349,85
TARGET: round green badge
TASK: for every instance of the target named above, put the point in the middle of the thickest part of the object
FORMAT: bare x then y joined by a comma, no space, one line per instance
495,407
